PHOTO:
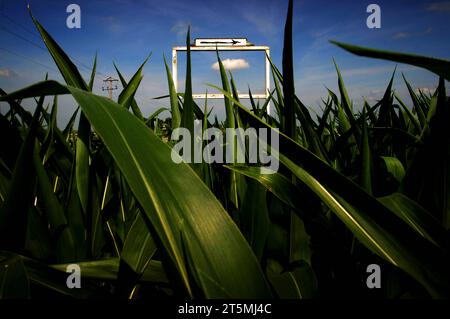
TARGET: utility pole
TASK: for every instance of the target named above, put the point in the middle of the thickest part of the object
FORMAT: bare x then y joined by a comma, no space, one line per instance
109,82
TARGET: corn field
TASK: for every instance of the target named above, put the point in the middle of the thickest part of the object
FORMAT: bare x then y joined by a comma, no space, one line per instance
357,185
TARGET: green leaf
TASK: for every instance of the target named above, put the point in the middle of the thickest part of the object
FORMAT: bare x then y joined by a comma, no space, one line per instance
417,217
69,126
428,176
346,104
13,214
95,227
394,167
386,107
73,78
176,115
438,66
416,104
375,235
94,69
14,283
373,223
44,88
43,276
366,160
230,120
134,107
176,202
299,283
126,97
68,70
48,143
254,217
107,269
82,161
411,116
310,134
276,183
75,218
288,76
54,212
39,242
155,114
138,247
187,118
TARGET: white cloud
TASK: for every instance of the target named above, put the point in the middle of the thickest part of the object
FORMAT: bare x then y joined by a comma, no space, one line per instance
6,73
374,95
376,91
426,90
232,64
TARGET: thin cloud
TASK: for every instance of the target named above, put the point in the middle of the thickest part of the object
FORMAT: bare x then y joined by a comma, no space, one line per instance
443,6
180,28
374,95
314,75
404,35
401,35
232,64
113,24
428,30
6,73
426,90
264,26
376,91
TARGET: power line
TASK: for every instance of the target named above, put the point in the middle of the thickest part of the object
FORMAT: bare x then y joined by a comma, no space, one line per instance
38,45
42,48
21,37
20,55
17,54
34,34
29,59
98,73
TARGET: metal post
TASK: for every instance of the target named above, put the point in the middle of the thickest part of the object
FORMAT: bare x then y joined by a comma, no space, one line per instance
268,79
175,69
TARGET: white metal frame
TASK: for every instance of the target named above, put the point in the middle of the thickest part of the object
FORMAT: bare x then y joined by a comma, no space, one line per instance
266,49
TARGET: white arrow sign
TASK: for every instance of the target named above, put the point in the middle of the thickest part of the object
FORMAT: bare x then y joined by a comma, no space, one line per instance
221,42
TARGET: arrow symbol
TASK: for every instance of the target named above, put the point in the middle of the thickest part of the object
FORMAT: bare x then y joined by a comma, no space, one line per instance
233,42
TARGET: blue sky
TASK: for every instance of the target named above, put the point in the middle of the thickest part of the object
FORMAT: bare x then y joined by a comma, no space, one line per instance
127,31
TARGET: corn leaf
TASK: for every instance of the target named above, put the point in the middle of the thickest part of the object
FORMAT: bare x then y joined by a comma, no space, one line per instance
174,204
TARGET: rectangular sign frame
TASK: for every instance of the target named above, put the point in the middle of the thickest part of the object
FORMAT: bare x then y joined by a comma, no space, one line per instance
265,49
